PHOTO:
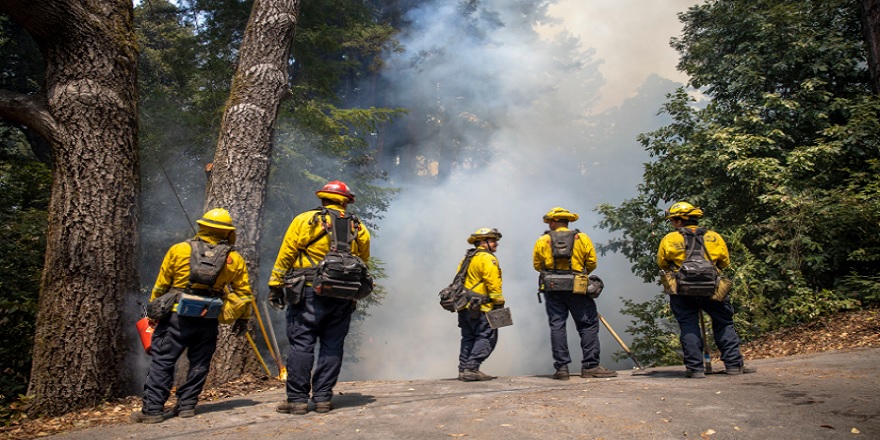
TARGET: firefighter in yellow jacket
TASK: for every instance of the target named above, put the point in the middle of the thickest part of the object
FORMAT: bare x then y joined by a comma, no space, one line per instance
312,318
562,251
483,278
196,334
687,309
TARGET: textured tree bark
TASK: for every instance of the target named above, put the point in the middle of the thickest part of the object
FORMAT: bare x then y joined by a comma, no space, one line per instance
241,163
89,116
871,29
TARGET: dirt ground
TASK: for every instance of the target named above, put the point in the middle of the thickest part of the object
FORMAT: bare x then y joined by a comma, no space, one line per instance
816,396
815,381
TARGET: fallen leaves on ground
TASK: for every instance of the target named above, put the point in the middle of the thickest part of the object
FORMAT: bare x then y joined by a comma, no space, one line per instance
118,411
846,330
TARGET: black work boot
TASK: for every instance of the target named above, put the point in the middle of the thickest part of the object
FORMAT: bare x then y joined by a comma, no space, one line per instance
598,371
695,374
561,374
142,417
295,408
323,407
183,413
740,369
475,375
484,376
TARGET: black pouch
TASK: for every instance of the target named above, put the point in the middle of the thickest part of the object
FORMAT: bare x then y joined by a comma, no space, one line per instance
557,282
595,287
453,299
162,306
294,288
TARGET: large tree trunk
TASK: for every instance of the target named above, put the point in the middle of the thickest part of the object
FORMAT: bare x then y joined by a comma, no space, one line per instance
871,29
89,117
241,162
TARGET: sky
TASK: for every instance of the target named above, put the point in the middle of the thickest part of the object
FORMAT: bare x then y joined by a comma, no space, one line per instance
542,159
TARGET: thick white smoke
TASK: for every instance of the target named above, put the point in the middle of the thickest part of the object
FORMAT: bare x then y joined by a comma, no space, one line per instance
548,152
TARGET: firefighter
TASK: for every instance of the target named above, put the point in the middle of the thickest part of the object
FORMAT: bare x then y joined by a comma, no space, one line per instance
195,334
578,255
687,309
314,318
483,280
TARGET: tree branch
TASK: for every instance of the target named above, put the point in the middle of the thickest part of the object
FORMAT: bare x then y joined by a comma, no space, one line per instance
31,112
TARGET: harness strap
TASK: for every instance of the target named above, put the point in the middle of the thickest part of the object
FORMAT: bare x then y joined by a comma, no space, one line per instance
692,237
330,228
571,251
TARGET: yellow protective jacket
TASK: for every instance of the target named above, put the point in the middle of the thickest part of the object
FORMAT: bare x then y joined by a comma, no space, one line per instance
671,253
300,233
583,255
174,273
484,277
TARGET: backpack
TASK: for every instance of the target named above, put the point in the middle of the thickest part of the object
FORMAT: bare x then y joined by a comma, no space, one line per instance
557,280
562,243
455,297
206,261
341,274
697,275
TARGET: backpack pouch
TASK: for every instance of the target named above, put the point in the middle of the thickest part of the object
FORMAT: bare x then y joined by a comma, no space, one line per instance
556,282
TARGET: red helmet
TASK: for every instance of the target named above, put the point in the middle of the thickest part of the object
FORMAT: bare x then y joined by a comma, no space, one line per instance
337,187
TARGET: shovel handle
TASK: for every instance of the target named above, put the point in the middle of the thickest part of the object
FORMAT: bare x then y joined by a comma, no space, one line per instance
620,341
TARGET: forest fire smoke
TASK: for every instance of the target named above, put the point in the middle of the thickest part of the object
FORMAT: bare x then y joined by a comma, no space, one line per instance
544,152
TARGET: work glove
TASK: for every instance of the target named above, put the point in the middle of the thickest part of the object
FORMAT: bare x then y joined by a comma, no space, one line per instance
276,297
240,327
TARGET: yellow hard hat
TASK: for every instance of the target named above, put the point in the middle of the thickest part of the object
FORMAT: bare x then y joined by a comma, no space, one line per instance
558,213
217,218
484,234
683,210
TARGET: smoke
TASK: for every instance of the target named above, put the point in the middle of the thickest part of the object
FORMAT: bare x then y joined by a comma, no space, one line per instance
632,37
547,150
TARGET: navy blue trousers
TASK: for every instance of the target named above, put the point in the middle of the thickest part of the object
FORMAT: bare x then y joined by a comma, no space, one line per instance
173,335
478,340
582,309
687,312
316,319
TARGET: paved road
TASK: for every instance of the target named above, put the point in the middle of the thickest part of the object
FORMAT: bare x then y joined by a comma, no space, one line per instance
825,396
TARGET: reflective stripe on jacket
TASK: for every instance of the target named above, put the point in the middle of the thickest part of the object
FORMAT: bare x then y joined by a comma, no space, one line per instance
484,277
583,255
671,252
300,233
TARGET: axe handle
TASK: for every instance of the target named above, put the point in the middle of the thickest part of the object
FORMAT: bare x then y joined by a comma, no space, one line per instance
620,341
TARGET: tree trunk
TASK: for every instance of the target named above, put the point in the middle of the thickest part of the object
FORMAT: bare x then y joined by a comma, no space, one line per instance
241,163
871,29
89,117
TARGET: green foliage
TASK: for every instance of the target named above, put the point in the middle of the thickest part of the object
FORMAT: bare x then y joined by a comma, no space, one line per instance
654,331
783,158
188,59
24,199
